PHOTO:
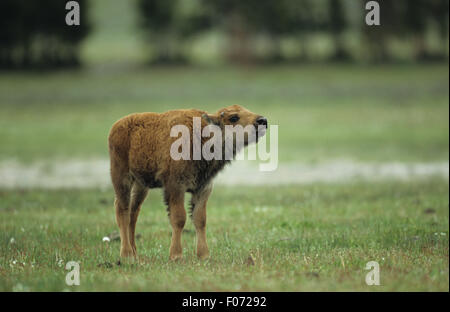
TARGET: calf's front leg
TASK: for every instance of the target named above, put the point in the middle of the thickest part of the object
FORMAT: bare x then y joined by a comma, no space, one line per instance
198,213
177,217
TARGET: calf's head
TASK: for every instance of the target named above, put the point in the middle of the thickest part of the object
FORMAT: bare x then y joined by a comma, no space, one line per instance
251,126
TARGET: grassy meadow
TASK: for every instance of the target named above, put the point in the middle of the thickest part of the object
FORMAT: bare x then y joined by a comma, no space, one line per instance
385,113
311,238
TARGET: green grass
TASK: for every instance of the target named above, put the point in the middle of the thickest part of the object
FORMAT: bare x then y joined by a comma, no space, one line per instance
302,238
386,113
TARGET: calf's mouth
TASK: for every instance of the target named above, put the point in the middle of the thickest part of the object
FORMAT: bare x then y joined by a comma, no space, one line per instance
260,126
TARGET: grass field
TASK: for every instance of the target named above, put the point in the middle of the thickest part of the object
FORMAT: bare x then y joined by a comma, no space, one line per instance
397,113
301,237
314,238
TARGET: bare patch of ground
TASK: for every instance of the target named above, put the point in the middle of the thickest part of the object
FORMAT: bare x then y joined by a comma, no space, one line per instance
78,173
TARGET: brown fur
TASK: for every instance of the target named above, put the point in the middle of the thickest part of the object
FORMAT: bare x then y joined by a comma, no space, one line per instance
139,147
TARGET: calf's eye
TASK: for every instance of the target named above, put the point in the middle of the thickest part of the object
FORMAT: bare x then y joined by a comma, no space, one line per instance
234,118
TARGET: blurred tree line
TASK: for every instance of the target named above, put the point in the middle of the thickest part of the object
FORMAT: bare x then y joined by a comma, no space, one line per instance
170,24
412,20
34,34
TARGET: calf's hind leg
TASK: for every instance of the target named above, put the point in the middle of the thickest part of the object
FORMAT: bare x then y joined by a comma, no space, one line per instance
122,188
123,221
138,195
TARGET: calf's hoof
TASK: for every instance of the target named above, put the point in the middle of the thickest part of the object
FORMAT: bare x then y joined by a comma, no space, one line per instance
127,257
203,254
176,257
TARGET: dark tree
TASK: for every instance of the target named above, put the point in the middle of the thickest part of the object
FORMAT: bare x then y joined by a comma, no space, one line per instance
306,18
234,18
439,14
337,26
376,39
167,25
33,34
415,16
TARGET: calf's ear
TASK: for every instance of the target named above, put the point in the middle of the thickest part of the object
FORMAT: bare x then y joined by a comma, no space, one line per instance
211,119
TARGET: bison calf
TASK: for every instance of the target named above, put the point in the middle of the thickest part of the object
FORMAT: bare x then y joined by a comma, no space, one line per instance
139,148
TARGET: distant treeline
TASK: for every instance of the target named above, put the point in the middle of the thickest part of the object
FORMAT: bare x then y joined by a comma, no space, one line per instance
34,34
170,24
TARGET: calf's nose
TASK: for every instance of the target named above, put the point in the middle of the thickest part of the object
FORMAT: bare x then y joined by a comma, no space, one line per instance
261,121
